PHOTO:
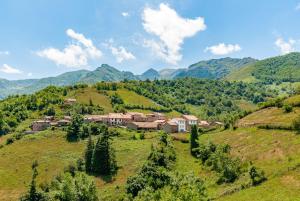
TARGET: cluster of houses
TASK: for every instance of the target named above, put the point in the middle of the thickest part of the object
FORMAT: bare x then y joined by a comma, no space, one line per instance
131,120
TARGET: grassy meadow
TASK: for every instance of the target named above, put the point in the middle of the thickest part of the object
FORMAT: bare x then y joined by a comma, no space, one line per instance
54,153
270,116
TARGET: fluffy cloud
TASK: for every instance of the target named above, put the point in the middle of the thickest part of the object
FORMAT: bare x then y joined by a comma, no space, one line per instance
171,29
120,53
285,46
223,49
4,53
74,55
160,49
9,70
125,14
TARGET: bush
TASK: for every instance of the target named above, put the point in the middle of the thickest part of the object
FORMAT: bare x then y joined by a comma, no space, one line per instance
287,108
10,140
217,158
142,136
18,136
155,172
50,111
256,176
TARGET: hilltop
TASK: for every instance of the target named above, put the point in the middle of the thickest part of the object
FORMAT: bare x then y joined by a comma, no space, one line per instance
214,68
278,69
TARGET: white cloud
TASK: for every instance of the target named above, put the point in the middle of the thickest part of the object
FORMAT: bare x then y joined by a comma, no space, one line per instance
75,54
29,74
4,53
9,69
120,53
159,49
125,14
285,46
171,29
298,6
223,49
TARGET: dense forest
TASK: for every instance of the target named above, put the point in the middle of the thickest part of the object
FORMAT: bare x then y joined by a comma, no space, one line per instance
214,98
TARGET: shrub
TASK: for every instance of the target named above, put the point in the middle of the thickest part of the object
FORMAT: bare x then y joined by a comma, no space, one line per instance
217,158
256,176
142,136
10,140
155,172
287,108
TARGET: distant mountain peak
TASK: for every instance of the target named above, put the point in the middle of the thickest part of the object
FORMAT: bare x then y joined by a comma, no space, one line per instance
150,74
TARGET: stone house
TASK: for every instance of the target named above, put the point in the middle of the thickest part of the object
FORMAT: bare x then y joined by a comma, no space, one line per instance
119,119
96,118
137,116
170,127
40,125
143,125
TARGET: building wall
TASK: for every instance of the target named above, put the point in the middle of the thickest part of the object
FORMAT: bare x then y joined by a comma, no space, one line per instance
170,128
39,126
132,126
181,126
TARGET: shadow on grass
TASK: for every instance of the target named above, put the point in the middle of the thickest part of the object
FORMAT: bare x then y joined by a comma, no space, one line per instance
107,178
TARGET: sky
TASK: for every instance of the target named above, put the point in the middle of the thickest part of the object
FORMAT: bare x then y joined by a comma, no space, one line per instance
49,37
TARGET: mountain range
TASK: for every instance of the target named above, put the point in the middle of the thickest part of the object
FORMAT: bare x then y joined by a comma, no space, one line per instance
281,68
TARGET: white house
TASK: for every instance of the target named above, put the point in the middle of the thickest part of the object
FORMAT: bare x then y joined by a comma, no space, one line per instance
190,121
181,124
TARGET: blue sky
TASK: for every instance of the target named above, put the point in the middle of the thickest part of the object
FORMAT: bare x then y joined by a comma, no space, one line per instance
46,38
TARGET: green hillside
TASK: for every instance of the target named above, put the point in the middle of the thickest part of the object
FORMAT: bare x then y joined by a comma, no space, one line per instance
211,69
278,69
236,150
215,68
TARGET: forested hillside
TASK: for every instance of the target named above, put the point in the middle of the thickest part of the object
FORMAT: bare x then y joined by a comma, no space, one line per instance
209,99
214,68
278,69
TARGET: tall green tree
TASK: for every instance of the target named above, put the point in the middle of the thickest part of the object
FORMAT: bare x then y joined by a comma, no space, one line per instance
88,156
194,140
33,194
75,128
104,162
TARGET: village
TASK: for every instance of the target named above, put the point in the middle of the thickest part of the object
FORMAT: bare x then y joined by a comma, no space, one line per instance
131,120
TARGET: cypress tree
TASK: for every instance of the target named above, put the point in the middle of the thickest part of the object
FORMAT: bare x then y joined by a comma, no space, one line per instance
194,139
33,194
89,155
74,130
103,157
